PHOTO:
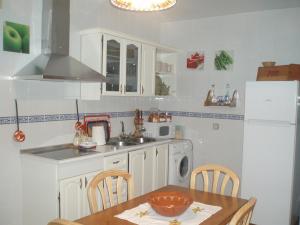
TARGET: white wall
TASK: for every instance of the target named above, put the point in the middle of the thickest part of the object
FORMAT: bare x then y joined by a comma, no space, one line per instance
254,37
24,12
100,14
37,98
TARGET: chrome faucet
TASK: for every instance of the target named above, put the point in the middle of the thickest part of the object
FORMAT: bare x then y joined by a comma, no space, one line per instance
122,135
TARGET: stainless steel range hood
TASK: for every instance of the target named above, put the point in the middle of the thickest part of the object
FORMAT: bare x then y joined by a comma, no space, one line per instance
55,63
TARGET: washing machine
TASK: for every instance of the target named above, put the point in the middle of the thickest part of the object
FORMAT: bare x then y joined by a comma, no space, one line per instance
180,162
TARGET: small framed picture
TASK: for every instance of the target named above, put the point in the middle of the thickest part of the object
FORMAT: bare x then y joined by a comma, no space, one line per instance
224,60
195,60
16,37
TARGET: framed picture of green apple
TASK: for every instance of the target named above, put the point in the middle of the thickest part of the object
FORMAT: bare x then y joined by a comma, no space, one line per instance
16,37
224,60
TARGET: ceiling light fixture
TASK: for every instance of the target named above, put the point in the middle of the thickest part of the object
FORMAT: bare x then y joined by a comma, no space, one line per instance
143,5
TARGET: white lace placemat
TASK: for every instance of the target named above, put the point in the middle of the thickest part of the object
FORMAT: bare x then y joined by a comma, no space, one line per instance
145,215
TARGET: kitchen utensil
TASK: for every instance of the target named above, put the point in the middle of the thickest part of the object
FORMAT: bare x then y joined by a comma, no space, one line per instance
19,135
98,135
171,203
78,124
98,120
87,145
103,123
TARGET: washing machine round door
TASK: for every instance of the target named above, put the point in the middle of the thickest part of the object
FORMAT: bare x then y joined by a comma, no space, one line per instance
183,167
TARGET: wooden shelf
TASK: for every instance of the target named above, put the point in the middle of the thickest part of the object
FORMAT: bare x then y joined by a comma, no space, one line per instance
229,104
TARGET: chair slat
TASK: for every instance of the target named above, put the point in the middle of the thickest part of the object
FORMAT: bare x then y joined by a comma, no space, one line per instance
205,180
224,183
109,186
215,181
119,188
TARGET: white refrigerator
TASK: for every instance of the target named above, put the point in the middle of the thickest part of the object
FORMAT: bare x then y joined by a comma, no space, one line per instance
271,151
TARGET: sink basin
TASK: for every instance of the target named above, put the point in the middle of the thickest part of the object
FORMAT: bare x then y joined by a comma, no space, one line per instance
129,141
143,140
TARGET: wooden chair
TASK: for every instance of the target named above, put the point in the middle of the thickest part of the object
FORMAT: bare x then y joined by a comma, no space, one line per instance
62,222
103,184
243,216
217,170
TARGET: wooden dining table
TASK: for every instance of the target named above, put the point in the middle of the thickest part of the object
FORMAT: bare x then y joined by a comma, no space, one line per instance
229,206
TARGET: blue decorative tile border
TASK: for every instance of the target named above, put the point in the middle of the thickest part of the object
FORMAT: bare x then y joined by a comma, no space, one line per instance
207,115
66,117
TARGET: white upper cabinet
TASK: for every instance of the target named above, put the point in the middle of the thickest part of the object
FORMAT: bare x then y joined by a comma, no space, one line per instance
121,66
112,52
148,70
132,67
91,55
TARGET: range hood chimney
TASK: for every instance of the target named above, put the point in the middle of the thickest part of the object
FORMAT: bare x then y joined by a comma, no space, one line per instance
55,63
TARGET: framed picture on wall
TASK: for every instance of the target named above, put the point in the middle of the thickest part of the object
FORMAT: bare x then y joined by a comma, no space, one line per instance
195,60
224,60
16,37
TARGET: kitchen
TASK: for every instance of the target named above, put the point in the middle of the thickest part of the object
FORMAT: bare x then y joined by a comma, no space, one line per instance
252,33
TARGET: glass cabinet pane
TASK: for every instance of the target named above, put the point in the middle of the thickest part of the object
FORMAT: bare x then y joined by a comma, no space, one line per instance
132,55
113,65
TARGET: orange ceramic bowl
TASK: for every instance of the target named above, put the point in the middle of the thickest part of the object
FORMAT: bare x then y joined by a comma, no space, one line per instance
171,203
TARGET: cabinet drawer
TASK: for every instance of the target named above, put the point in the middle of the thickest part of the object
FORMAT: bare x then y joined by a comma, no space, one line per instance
116,162
79,167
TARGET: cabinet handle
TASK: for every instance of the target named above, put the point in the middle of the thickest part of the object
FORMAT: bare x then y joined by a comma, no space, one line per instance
80,183
145,155
156,152
142,89
116,162
85,182
59,206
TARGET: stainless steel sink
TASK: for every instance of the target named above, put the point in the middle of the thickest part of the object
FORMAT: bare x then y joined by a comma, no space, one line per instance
129,141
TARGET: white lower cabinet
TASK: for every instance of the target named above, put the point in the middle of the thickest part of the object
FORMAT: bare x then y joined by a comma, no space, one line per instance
73,198
162,166
149,168
141,167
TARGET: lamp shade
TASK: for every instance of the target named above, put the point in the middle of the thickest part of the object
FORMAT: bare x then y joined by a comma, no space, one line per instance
143,5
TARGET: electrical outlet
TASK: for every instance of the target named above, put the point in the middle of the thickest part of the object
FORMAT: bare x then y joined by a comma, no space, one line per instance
216,126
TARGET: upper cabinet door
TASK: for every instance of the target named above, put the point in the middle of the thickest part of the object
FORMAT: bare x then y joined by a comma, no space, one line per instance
112,67
148,70
91,55
132,73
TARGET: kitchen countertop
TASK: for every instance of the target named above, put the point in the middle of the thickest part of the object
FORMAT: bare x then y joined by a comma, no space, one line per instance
100,151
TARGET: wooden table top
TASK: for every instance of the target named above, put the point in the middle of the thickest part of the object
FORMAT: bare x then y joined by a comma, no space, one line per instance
229,206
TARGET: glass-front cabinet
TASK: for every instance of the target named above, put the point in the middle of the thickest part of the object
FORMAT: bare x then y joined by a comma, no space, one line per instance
121,65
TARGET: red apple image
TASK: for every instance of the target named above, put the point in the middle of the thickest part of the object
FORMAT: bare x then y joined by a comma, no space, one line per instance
12,40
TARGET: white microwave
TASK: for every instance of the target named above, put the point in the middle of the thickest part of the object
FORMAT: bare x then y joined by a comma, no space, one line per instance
159,130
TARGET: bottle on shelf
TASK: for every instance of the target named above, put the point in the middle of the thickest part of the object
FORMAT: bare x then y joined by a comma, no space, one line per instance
227,94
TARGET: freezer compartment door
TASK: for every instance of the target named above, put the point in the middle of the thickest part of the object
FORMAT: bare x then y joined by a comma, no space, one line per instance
268,159
275,101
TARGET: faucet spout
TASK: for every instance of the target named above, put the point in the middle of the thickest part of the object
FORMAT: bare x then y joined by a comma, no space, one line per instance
122,135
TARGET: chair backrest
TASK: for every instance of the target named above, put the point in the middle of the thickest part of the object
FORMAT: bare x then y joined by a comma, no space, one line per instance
108,183
243,216
216,171
62,222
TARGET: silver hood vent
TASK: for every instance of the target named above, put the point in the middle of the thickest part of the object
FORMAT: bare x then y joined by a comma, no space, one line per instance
55,63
